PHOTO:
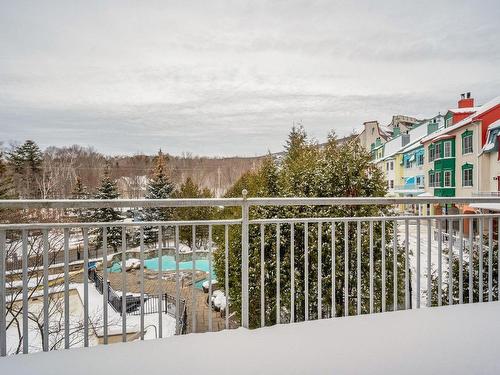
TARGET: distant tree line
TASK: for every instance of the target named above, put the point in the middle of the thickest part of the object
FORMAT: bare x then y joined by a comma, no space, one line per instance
28,172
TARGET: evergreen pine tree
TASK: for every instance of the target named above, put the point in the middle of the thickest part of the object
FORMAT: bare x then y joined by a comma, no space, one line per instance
26,162
306,170
107,190
159,187
191,190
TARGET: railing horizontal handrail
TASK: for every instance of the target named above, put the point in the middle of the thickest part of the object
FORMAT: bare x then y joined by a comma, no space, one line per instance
360,201
41,226
371,218
232,202
29,226
117,203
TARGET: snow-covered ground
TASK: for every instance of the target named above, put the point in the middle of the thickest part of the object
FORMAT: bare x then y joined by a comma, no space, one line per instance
95,319
461,339
422,239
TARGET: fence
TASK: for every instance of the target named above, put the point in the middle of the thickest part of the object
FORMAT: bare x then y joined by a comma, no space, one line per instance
151,304
327,257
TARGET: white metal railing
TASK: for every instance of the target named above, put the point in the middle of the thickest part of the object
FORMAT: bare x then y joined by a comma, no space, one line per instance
373,265
486,193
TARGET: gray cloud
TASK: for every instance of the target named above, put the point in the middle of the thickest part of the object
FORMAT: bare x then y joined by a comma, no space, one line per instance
226,77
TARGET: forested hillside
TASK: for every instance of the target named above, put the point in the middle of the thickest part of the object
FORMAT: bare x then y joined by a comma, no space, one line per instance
52,173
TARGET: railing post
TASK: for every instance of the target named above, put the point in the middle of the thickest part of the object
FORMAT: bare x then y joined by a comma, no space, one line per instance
244,260
3,325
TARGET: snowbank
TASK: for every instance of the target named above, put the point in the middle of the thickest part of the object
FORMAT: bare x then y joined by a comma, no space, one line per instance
447,340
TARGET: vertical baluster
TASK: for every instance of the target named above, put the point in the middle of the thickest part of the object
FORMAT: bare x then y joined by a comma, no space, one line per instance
384,271
3,308
306,269
450,262
193,292
278,308
429,263
395,266
25,291
334,307
292,272
209,274
226,274
471,261
417,291
262,281
45,343
371,266
320,244
490,259
358,269
346,268
124,284
141,278
440,265
105,283
160,281
66,288
481,231
178,285
85,287
407,266
245,206
461,262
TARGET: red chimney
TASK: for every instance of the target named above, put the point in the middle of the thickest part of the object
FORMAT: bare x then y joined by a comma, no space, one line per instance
465,101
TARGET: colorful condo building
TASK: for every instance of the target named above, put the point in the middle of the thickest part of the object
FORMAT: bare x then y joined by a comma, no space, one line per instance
451,155
397,150
463,156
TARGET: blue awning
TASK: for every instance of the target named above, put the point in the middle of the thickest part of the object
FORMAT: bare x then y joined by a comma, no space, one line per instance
410,180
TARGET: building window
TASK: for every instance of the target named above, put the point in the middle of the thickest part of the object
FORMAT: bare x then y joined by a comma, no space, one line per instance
467,174
392,165
437,179
467,177
431,179
447,149
467,142
392,184
387,166
437,151
448,121
420,159
447,178
432,153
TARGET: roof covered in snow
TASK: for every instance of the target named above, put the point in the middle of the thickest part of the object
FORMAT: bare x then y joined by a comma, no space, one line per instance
394,146
464,110
483,109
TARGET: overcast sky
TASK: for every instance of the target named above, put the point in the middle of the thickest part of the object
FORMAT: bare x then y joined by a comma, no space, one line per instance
231,77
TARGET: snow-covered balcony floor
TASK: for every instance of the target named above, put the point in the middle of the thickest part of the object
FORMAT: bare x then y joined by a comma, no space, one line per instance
448,340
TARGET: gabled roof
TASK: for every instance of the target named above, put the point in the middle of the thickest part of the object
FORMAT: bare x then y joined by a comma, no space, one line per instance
384,131
481,110
491,141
